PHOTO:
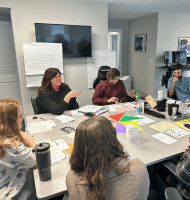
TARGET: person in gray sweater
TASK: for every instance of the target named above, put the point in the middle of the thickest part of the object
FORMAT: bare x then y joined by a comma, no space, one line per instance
100,168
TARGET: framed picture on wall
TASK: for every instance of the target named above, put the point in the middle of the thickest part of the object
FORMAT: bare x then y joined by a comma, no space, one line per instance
184,44
140,42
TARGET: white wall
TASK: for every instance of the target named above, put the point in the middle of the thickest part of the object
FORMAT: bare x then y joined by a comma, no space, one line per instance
139,68
170,28
121,24
25,13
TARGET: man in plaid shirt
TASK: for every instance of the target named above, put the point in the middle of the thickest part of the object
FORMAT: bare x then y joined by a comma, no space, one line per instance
183,173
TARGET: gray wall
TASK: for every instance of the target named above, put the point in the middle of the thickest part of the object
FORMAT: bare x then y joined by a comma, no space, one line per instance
122,24
170,27
25,13
140,69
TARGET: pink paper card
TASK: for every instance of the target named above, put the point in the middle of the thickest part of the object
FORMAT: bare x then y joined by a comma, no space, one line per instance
123,109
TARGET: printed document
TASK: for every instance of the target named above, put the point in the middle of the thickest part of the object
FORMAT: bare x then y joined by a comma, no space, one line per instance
164,138
65,118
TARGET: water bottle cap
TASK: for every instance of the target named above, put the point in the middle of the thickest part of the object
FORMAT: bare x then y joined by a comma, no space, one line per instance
43,146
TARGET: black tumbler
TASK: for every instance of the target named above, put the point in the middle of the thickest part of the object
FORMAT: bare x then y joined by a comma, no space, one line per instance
43,160
161,105
170,108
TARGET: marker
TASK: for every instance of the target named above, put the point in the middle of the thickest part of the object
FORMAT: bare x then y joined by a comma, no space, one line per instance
42,118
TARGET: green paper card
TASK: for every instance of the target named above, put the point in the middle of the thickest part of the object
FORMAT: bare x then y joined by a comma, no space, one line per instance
129,118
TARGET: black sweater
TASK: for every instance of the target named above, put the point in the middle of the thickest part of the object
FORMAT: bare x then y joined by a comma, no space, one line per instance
54,103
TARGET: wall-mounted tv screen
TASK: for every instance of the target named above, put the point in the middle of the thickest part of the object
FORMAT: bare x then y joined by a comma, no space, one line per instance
76,40
174,57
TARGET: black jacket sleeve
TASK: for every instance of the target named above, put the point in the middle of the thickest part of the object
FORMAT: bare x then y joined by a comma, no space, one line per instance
55,103
47,102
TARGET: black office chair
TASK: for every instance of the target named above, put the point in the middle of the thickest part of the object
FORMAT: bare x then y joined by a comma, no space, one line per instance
173,96
34,104
66,197
171,193
102,72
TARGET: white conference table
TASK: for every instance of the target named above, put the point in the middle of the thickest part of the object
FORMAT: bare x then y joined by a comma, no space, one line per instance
150,151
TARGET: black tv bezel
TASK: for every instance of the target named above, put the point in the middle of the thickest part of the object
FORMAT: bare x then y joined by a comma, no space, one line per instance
69,25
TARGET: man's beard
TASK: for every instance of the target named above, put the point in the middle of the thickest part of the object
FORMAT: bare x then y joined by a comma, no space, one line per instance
114,84
179,77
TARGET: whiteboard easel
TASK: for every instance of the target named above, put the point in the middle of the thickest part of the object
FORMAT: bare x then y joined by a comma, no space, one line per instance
39,56
99,58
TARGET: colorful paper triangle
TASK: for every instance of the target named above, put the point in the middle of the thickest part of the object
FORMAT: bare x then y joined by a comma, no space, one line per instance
117,117
120,128
69,151
132,122
129,118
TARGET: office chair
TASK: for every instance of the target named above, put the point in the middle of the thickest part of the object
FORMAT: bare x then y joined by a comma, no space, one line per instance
173,96
102,72
171,193
66,197
34,104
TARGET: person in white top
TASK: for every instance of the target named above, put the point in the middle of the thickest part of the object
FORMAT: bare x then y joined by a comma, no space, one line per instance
16,156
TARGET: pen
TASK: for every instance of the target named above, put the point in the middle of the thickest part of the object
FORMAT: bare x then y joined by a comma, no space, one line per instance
42,118
56,143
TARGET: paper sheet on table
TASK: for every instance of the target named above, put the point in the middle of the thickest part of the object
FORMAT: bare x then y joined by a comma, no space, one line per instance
69,151
163,126
182,123
177,132
75,113
129,118
164,138
89,109
143,121
112,108
71,135
40,126
65,118
56,156
120,128
130,104
123,109
117,117
132,122
60,144
101,111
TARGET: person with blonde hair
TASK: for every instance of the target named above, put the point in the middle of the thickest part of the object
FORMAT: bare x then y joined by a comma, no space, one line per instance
16,156
101,169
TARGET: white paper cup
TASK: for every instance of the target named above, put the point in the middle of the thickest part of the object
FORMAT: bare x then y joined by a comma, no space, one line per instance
160,94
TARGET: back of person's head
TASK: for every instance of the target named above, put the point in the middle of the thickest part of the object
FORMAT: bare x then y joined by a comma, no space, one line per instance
9,128
96,148
46,80
179,66
112,73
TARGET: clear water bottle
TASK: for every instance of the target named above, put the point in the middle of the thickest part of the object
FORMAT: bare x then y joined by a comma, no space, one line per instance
187,107
140,106
137,95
